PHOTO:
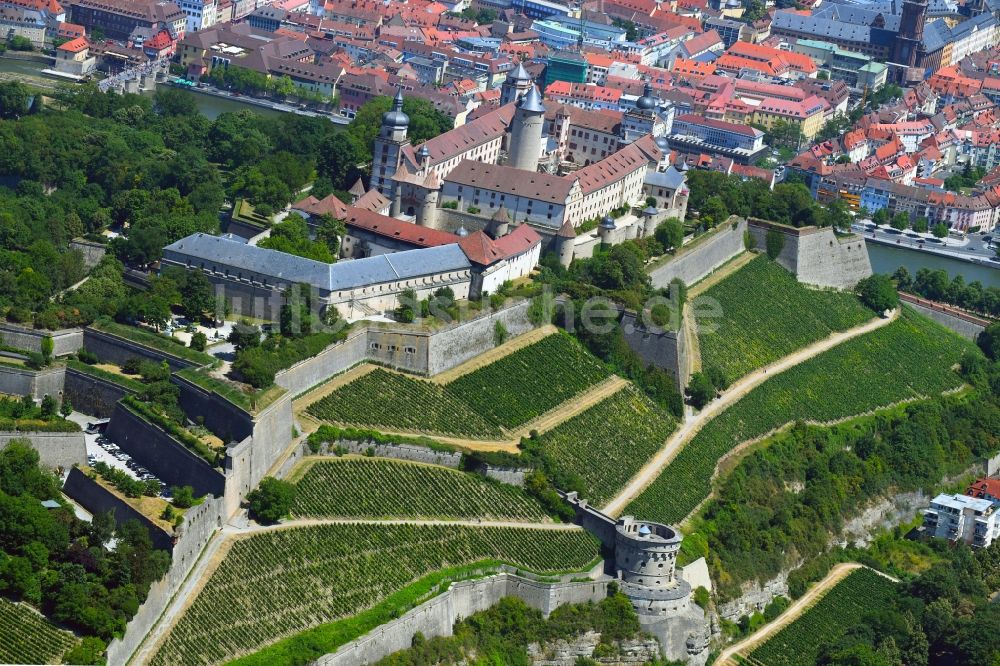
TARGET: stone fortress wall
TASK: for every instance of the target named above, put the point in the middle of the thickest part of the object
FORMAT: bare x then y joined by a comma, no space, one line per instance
60,450
36,383
703,256
64,341
817,256
437,616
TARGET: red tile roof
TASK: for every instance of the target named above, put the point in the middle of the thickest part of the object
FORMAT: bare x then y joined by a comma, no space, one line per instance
982,487
390,227
75,45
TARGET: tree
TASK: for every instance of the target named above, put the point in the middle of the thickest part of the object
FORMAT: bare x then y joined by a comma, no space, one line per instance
174,102
49,406
878,292
183,496
775,242
989,341
13,99
405,311
920,224
21,43
331,231
700,390
900,221
902,278
47,347
195,295
271,500
939,230
881,216
243,336
199,341
66,408
670,234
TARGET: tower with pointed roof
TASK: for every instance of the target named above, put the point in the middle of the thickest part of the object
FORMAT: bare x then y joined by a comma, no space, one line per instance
516,85
499,225
565,241
388,146
429,206
526,131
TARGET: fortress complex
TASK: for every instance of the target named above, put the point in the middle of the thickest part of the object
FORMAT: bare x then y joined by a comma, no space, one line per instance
469,209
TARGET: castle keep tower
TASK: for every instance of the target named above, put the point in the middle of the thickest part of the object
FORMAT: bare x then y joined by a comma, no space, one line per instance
526,131
388,146
515,86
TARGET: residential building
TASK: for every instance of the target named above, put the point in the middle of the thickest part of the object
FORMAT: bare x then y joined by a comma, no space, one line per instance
963,519
118,18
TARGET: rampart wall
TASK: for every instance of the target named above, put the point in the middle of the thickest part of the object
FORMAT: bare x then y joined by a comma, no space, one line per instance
55,449
92,395
437,616
64,341
817,256
95,498
156,450
703,257
117,350
36,383
200,523
663,349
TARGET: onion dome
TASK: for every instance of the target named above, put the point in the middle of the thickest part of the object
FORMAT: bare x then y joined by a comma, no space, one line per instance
396,117
647,102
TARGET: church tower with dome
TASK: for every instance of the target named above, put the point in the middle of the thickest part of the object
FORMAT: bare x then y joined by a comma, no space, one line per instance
388,146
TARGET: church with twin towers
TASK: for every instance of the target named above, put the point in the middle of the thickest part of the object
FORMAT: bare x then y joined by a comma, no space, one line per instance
520,163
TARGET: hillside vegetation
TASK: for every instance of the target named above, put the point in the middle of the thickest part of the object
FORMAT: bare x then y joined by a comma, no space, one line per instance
505,394
282,582
861,593
600,449
909,358
767,314
376,488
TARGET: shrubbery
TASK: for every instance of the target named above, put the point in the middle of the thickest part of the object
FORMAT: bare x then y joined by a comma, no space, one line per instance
271,501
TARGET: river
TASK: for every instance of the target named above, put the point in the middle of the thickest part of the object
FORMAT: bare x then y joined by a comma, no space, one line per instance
887,259
30,72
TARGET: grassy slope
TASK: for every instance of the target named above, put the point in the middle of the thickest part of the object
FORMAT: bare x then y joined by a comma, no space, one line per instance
767,314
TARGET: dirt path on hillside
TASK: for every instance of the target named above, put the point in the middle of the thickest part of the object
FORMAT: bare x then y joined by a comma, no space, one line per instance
838,573
693,344
693,425
509,443
243,531
495,354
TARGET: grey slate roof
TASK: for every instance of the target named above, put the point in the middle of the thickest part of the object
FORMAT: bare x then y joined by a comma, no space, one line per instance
282,267
670,177
821,27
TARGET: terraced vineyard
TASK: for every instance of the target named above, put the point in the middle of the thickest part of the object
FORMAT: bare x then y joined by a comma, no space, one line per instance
505,394
607,444
376,488
282,582
767,314
862,592
28,638
910,357
524,385
383,399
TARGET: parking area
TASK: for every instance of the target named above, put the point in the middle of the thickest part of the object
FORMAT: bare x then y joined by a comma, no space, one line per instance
102,449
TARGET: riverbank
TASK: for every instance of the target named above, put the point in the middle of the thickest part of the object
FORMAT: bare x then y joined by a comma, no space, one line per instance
941,251
887,258
256,101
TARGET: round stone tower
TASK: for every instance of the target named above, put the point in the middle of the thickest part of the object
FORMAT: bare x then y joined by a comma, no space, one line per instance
526,131
646,559
605,229
565,240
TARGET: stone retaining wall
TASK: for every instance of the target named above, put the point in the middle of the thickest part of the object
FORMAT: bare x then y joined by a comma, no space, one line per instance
437,616
114,349
92,252
36,383
64,341
92,395
55,449
692,265
666,350
411,452
95,498
157,451
964,326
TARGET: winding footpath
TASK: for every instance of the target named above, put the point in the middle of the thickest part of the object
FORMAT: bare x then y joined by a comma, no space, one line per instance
838,573
691,426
